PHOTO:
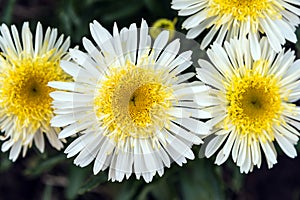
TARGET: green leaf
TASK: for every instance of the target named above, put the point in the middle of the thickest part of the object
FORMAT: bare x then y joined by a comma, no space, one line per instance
76,178
5,163
7,14
160,189
200,181
47,194
42,165
129,189
237,181
92,183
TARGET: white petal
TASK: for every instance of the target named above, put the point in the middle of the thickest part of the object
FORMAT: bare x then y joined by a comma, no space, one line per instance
106,150
72,129
39,141
7,145
15,150
143,41
254,46
270,155
194,125
169,53
214,144
175,129
286,146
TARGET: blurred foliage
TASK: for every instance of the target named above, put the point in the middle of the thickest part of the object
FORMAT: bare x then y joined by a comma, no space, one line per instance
195,180
75,15
52,176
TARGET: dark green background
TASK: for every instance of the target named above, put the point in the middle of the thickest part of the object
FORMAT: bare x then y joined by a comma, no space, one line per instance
52,176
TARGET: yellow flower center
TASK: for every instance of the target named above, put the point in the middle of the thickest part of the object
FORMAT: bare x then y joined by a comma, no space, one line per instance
254,103
242,10
132,101
24,91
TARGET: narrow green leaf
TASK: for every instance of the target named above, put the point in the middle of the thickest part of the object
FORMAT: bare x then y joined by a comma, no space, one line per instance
44,165
200,181
76,178
159,189
5,162
130,189
92,183
7,14
47,194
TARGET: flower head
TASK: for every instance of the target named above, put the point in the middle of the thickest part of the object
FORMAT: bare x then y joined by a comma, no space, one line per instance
25,104
163,24
252,103
233,18
130,103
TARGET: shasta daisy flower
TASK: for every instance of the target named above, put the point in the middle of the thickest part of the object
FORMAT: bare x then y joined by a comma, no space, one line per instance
252,103
232,18
25,104
130,103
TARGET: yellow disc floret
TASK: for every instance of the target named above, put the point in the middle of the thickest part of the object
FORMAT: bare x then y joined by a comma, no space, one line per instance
242,10
142,101
132,101
254,103
24,91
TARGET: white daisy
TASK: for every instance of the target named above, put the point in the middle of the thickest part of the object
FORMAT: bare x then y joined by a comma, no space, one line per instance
129,103
251,103
232,18
25,104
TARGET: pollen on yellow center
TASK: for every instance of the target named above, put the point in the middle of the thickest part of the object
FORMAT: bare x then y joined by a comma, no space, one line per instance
132,101
254,104
24,91
141,102
246,9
